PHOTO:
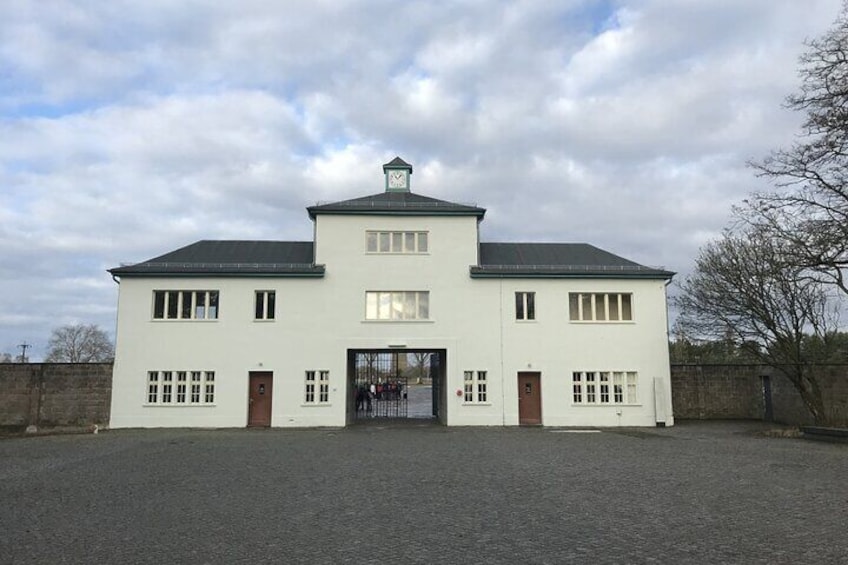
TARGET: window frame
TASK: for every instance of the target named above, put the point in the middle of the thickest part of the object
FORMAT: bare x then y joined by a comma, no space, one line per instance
397,242
186,305
397,306
268,306
475,387
180,389
604,307
525,306
316,387
605,388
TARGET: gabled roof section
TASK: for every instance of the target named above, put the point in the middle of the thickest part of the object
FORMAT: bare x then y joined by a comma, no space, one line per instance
557,260
396,204
231,258
397,163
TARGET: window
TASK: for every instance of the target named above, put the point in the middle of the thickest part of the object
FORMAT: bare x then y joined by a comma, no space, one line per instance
525,305
476,387
265,304
317,387
397,305
604,387
185,304
600,307
175,388
396,241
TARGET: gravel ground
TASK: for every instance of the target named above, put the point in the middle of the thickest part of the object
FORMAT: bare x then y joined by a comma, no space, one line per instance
713,492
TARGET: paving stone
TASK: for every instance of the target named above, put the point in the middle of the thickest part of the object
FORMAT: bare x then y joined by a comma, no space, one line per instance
710,492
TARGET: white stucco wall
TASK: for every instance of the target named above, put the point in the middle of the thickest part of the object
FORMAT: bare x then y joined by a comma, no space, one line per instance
318,320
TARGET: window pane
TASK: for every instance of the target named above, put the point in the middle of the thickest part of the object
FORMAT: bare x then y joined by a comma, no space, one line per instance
600,307
423,305
260,306
410,311
173,302
159,304
409,242
586,303
397,306
271,303
531,305
370,305
422,242
519,305
397,242
626,308
573,307
185,311
200,305
371,239
614,313
385,242
385,306
213,305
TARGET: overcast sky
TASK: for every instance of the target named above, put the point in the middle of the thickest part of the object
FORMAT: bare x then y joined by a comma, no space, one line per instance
129,129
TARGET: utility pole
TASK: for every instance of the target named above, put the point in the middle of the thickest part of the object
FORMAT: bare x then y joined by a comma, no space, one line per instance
24,346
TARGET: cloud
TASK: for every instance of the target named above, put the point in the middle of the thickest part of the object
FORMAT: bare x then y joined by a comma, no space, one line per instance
128,129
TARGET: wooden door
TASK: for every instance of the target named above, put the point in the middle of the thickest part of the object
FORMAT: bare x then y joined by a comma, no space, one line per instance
259,399
529,399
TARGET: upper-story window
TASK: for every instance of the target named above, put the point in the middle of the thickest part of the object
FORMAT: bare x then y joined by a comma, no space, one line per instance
525,305
396,241
397,305
265,304
600,306
185,304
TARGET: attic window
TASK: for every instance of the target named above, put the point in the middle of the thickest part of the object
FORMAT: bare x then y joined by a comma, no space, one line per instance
398,242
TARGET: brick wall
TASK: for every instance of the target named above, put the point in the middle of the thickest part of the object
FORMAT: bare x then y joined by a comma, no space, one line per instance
704,392
55,394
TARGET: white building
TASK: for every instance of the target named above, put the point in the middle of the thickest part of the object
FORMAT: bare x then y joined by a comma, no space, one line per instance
237,333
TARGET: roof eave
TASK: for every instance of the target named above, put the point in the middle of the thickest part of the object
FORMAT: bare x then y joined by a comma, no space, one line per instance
371,212
483,273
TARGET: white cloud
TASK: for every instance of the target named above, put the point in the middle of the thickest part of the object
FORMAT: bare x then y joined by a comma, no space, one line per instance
128,129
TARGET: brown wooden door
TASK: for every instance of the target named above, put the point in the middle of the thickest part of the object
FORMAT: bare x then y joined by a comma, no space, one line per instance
259,408
529,399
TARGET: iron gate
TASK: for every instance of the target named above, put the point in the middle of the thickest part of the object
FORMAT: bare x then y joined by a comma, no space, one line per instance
380,387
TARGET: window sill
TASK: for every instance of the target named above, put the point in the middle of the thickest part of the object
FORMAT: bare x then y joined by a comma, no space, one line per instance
264,321
606,405
602,322
379,253
398,321
189,320
476,403
148,405
526,321
317,405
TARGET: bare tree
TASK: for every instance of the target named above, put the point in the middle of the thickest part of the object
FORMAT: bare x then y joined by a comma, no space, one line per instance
809,206
79,343
5,357
744,290
421,362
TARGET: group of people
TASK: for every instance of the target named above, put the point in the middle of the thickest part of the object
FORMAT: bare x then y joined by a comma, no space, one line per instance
366,394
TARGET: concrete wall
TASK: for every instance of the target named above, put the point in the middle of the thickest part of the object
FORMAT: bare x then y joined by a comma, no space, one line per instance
54,394
705,392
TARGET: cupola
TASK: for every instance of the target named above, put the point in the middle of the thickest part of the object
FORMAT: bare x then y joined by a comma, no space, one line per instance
397,173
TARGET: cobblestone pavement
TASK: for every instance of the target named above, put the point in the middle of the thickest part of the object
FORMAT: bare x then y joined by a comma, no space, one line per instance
421,493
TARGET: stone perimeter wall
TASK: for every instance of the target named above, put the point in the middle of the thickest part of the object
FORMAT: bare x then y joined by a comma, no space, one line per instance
79,394
707,392
53,395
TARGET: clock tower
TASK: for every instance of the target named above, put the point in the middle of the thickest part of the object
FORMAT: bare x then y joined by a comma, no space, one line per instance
397,173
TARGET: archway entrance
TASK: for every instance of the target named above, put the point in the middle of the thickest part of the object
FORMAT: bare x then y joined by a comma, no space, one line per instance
385,384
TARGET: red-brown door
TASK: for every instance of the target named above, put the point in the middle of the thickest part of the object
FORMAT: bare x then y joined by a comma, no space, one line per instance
529,399
259,409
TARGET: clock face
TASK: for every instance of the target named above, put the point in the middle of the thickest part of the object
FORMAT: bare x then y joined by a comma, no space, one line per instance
397,179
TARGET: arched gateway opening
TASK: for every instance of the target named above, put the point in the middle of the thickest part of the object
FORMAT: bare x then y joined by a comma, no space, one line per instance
386,384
